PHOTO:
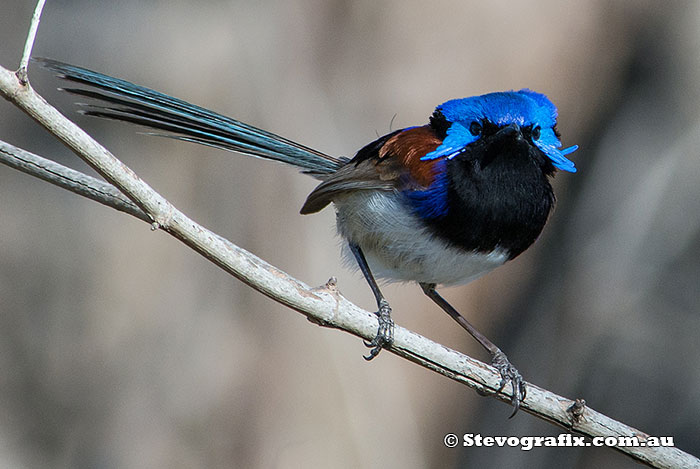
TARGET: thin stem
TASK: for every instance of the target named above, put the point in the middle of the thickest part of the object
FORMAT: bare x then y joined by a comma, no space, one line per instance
29,43
68,178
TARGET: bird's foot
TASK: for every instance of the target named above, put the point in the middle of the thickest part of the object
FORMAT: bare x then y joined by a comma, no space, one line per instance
385,333
509,374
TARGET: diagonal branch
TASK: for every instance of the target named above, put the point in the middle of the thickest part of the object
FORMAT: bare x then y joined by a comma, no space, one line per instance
323,305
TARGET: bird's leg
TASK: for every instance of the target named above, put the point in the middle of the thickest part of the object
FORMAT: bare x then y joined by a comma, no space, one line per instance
498,358
385,333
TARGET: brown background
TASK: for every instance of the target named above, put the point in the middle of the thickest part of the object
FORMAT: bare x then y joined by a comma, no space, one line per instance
121,348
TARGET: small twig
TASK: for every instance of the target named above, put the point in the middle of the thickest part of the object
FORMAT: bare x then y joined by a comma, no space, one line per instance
29,44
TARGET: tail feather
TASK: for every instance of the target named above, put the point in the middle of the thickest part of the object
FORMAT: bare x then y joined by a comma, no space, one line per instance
181,120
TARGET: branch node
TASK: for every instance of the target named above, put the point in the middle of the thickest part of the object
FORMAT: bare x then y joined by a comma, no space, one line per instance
576,411
22,76
163,217
318,321
332,284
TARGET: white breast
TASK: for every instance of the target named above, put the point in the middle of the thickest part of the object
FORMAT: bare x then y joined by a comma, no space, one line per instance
399,247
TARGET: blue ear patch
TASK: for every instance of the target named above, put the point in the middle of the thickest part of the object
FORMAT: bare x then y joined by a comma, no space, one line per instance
457,138
524,107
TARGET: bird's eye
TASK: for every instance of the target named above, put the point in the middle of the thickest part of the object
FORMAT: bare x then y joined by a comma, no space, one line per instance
535,134
475,128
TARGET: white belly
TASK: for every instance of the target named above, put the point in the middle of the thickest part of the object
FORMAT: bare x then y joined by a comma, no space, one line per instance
398,247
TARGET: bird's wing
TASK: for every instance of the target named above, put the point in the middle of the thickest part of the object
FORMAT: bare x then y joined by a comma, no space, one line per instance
392,162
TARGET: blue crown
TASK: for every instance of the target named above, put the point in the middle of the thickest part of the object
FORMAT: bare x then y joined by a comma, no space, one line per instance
524,107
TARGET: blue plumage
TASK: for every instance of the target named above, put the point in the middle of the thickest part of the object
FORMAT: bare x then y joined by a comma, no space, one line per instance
432,202
525,108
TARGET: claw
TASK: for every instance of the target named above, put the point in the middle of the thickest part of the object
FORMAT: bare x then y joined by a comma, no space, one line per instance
372,353
509,374
385,332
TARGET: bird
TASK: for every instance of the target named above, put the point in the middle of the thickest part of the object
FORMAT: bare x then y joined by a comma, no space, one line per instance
438,204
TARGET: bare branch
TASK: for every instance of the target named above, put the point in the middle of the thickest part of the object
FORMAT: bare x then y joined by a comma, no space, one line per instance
68,178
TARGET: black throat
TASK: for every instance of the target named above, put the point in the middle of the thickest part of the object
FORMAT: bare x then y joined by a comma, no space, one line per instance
498,196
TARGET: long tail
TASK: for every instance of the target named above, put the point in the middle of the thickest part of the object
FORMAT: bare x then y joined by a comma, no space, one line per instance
181,120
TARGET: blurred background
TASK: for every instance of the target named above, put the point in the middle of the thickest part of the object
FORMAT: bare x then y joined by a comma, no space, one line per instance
120,347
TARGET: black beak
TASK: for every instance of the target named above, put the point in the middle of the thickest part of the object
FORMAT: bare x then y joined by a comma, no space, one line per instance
509,137
510,132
